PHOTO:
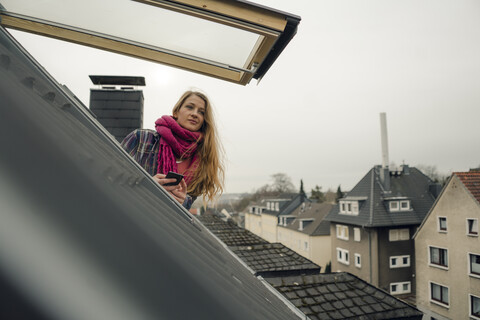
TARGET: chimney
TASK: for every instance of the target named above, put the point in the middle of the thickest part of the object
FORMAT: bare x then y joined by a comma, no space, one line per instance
117,103
384,171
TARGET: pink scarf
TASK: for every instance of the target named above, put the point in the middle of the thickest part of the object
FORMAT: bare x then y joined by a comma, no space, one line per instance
176,142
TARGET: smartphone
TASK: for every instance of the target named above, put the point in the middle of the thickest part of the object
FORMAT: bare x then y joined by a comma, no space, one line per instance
172,175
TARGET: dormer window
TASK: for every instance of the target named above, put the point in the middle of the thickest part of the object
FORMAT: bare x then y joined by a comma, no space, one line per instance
303,224
349,207
399,205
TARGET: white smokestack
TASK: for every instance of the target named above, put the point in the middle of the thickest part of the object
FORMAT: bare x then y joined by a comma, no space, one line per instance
383,128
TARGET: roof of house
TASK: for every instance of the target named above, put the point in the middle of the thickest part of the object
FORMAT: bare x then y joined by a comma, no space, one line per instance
411,184
311,211
275,259
341,296
471,181
229,233
77,210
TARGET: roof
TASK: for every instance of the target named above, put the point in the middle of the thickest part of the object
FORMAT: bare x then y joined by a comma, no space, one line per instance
275,259
341,296
316,212
412,184
77,211
471,181
229,233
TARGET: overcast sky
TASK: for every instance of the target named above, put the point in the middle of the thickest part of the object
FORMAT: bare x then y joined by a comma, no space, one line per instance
315,114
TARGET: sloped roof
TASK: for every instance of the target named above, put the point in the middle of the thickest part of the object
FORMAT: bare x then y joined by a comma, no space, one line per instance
341,296
315,211
84,225
471,181
413,185
275,259
229,233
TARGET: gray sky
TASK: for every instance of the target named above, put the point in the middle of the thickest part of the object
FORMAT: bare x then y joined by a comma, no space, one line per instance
315,114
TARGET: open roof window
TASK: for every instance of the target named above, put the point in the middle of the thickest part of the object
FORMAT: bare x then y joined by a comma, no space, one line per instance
230,40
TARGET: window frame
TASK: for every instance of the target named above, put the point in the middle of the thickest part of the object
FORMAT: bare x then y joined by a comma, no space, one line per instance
470,273
358,260
439,302
438,265
473,233
357,234
274,29
400,284
440,229
470,306
343,256
399,234
342,235
401,264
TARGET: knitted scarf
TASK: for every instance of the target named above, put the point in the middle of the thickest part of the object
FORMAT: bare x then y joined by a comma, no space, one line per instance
176,142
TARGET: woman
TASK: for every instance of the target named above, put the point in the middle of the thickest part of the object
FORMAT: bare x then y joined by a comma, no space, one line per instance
185,143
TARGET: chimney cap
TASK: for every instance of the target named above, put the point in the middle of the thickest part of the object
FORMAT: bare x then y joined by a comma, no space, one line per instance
118,80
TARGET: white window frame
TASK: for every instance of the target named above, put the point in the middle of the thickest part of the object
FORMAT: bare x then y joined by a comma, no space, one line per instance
399,234
475,232
305,246
343,256
401,264
440,225
342,232
438,302
357,235
349,207
397,205
358,260
393,206
402,202
437,265
470,306
469,259
400,285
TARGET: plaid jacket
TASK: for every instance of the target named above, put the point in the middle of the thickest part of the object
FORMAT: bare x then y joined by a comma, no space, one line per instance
143,145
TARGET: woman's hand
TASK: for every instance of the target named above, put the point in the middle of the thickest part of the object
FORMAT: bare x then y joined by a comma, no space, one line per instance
179,191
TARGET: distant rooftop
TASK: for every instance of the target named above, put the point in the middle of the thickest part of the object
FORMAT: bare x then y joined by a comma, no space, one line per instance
118,80
471,180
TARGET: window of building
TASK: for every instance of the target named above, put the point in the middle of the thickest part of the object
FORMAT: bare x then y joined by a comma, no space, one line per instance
343,256
399,205
474,264
358,260
472,227
305,245
442,224
400,287
277,206
349,207
398,234
342,232
474,307
356,234
399,261
439,294
439,257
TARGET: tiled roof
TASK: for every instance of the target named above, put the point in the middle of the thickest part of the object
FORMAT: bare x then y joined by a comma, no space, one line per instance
274,259
315,211
228,232
341,296
471,181
373,212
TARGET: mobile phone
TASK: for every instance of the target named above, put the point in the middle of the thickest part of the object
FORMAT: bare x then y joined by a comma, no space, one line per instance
173,175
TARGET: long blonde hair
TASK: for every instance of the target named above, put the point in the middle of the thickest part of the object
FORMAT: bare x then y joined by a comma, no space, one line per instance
208,179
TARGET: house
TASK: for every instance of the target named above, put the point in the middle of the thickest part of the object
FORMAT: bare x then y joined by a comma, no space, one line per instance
373,225
305,231
448,252
261,217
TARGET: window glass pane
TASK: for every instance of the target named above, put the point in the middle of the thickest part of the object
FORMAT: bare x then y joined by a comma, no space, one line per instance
445,294
436,292
475,263
475,303
443,223
472,226
406,287
157,27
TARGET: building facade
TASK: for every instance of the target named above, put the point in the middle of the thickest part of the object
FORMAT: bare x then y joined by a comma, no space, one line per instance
448,252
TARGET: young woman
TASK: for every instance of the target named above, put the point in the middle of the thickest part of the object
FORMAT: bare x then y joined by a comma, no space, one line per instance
185,143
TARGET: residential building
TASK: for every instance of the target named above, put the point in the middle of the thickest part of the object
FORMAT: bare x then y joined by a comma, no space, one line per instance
261,217
372,227
448,252
306,232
